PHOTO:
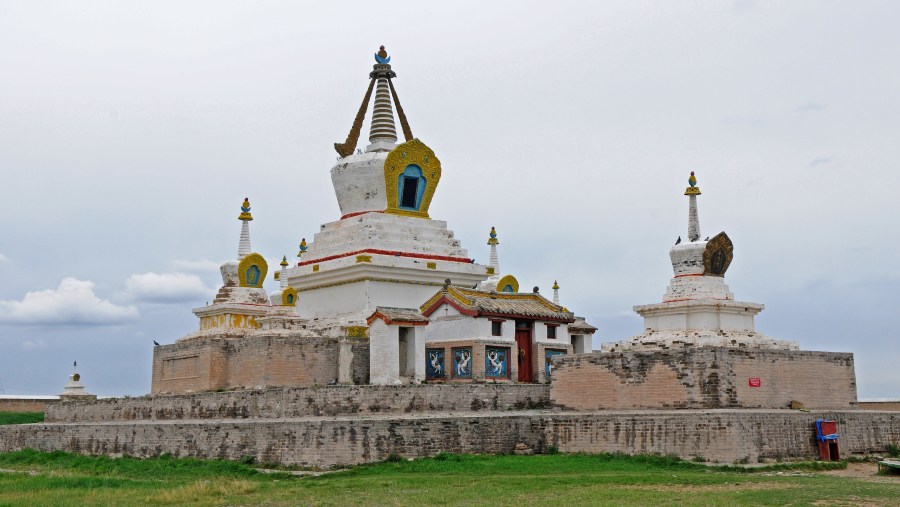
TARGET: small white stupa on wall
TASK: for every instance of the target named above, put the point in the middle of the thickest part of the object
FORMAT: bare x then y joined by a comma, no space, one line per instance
697,309
74,388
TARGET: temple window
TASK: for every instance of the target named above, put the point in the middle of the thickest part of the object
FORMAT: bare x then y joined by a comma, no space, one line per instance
411,188
551,331
496,328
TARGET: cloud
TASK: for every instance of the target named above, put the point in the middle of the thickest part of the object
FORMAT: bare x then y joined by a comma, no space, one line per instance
819,161
198,266
811,107
166,288
34,344
4,259
72,303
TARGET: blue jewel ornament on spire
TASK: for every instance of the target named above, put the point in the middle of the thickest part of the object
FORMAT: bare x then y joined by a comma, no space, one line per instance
692,180
382,57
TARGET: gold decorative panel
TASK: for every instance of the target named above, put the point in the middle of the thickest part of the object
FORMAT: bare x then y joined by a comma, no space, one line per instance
415,153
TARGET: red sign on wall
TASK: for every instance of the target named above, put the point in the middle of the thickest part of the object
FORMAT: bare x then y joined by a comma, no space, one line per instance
755,382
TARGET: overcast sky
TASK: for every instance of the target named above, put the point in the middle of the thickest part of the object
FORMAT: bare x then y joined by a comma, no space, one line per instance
130,133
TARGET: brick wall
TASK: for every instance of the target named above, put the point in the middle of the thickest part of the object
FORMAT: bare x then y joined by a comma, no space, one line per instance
24,404
206,364
704,378
717,435
305,402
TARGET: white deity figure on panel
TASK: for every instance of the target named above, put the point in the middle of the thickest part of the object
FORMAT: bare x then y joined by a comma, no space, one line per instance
496,360
436,365
462,367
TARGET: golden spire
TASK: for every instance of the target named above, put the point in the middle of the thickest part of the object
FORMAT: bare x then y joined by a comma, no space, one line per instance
284,262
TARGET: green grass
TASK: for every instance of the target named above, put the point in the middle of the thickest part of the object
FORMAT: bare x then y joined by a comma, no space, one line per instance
21,417
447,479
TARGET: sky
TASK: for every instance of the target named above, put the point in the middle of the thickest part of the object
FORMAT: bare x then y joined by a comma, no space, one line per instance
130,132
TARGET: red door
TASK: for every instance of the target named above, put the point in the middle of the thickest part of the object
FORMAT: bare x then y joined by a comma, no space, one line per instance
523,341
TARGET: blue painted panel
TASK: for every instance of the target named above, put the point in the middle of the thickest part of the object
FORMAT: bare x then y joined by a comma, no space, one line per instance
462,363
434,364
548,367
411,171
252,275
496,362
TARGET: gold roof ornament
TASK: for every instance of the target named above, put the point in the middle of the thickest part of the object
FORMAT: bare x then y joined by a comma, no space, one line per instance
303,247
284,262
555,285
493,237
245,211
693,189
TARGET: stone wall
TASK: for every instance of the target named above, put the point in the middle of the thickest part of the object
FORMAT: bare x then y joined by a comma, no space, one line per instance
717,435
305,402
704,378
209,363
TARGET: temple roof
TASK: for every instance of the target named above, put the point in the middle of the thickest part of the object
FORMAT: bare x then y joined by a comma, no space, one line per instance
478,303
581,326
391,315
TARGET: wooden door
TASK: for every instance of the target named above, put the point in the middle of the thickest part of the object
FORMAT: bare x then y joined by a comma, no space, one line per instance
523,342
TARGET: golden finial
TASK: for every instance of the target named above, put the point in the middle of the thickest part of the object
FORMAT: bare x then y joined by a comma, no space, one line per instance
303,247
555,285
493,239
284,262
693,189
381,56
245,210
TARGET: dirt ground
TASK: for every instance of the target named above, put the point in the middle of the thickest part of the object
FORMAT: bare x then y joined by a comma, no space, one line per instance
866,472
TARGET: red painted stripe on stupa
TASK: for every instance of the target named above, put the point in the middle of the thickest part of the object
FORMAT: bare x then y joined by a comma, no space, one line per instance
358,213
388,252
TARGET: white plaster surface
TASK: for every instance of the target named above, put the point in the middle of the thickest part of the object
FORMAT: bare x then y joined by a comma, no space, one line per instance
359,182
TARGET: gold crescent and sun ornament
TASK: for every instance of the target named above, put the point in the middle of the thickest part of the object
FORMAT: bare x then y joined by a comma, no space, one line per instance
411,160
252,270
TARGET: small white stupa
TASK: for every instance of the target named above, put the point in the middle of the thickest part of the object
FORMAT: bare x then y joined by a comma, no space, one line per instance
74,388
697,309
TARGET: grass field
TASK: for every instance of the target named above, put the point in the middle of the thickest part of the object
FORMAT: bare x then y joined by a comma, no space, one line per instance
33,478
21,417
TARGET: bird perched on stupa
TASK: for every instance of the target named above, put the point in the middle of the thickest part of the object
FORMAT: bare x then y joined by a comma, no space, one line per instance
678,241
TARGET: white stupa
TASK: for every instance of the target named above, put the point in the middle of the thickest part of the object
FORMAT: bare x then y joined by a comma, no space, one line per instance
74,389
697,309
385,250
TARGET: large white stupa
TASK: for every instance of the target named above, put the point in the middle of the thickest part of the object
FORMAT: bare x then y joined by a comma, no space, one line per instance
385,250
698,310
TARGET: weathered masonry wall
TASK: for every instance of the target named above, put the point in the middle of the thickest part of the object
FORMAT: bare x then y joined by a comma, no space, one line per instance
704,378
717,435
305,402
207,364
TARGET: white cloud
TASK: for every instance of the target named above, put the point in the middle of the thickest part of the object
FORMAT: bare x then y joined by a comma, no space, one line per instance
166,288
198,266
34,344
73,302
